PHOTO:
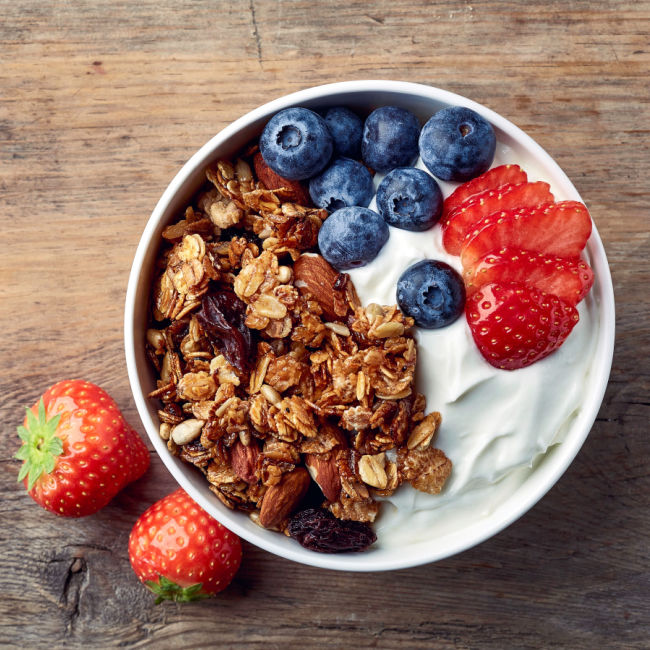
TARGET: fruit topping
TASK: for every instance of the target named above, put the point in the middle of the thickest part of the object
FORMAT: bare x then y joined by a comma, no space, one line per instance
272,181
561,229
296,143
461,221
514,325
343,184
457,144
410,199
496,177
352,237
346,128
568,279
181,553
318,530
222,317
432,293
78,450
390,138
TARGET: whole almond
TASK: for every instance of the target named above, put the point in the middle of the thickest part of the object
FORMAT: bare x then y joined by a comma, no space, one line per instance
273,181
323,469
243,460
313,274
282,499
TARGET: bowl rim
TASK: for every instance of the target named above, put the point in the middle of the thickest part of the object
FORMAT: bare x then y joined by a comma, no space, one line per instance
537,484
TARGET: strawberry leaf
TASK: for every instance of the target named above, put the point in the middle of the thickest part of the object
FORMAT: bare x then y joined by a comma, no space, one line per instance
166,589
24,468
41,445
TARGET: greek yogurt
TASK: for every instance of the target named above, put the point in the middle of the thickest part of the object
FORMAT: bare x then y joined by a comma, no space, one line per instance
496,424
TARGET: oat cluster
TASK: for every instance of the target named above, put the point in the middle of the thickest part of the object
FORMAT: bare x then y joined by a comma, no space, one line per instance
271,374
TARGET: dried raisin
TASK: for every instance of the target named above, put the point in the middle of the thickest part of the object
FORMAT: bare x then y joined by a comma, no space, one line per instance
222,316
319,530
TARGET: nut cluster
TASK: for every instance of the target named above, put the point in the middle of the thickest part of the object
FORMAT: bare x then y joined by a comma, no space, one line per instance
271,374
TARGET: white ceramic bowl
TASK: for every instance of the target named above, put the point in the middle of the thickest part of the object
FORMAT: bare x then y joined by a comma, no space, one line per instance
363,95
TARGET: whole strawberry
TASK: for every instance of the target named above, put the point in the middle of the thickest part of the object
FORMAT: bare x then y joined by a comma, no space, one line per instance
78,450
181,553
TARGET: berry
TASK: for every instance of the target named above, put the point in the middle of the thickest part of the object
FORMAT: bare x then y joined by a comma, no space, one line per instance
496,177
296,143
78,450
457,144
352,237
297,193
181,553
346,128
568,279
410,199
514,325
560,229
432,293
461,221
390,138
344,183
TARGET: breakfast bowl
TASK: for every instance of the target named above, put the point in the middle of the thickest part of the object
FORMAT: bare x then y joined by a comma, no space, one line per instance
509,434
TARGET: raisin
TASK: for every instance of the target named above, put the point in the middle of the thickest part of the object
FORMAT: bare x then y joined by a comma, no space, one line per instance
319,530
222,317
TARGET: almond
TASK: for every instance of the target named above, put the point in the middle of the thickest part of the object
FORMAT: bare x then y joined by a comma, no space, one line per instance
243,460
282,499
313,274
272,181
323,469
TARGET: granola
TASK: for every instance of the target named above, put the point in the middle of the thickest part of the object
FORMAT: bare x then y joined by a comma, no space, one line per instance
271,374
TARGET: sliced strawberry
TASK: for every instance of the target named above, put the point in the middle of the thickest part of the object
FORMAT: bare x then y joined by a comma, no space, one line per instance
568,279
514,325
496,177
506,197
560,229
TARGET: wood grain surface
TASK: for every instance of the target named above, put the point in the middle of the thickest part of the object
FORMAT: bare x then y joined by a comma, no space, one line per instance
101,102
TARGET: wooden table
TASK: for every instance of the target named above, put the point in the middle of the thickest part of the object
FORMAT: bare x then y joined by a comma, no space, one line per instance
100,103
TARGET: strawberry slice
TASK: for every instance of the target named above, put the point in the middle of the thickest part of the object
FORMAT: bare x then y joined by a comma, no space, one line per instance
496,177
506,197
560,229
568,279
514,325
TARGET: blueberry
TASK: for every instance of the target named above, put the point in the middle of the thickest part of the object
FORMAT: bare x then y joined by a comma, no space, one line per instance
344,183
346,128
432,293
457,144
352,237
410,199
390,138
296,143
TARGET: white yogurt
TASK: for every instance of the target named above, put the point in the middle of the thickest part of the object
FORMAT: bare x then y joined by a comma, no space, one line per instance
496,424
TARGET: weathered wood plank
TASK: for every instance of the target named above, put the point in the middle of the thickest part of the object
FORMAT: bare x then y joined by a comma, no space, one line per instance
100,103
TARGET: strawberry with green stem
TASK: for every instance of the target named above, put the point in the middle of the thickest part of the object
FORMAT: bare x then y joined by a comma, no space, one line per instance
181,553
78,451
